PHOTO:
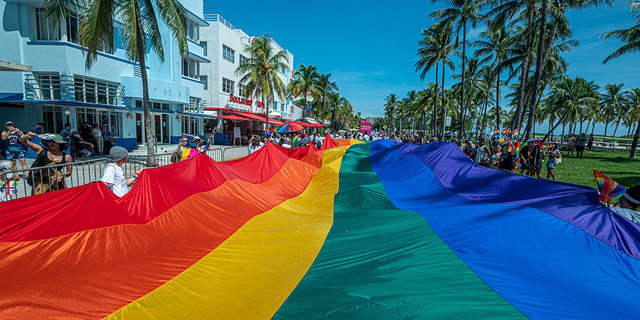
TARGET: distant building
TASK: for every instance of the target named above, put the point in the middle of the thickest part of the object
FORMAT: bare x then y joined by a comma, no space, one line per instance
224,45
372,120
59,88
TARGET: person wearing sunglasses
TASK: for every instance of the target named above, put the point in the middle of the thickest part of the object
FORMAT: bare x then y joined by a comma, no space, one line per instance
51,179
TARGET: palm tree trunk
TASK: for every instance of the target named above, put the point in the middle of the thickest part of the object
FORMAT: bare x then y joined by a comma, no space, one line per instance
554,127
629,131
145,85
266,126
464,51
435,101
606,125
539,61
304,109
444,111
524,71
484,113
616,130
324,100
634,144
498,99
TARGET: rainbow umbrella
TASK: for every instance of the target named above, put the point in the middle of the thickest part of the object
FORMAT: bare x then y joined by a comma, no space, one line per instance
537,142
290,127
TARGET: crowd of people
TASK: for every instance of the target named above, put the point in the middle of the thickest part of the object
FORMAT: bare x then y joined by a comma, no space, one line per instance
96,140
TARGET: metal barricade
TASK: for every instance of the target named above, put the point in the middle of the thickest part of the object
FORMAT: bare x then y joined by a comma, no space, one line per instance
139,162
45,179
216,154
83,172
234,153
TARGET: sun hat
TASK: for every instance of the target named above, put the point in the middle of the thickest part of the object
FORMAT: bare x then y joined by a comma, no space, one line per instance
55,138
118,153
197,139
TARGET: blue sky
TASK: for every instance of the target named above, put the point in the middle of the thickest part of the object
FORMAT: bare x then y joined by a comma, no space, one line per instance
370,46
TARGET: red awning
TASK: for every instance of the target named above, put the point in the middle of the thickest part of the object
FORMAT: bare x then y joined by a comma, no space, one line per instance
276,122
233,117
254,116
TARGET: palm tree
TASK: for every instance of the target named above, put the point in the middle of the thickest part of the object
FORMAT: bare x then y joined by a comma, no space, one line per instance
140,29
494,48
461,13
474,87
634,101
391,102
306,83
260,71
611,101
570,96
325,86
631,36
334,100
503,12
438,39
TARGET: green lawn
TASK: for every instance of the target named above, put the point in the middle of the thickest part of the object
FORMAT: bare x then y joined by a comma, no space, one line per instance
616,166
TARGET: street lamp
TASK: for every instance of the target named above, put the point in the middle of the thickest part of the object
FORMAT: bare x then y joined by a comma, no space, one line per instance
67,113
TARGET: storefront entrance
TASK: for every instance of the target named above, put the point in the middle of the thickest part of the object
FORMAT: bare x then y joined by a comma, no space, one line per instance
161,127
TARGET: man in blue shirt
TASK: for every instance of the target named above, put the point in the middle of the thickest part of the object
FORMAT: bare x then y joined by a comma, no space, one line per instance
37,128
66,132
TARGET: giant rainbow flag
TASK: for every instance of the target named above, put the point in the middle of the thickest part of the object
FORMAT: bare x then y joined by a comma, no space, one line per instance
354,230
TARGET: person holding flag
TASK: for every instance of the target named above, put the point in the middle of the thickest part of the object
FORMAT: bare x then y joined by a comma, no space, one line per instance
554,158
629,203
8,184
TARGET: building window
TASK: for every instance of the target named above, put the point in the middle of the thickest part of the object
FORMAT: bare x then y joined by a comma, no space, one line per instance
291,111
190,125
227,86
241,90
45,30
194,105
153,105
228,54
95,91
53,118
73,25
242,59
190,68
204,81
204,47
94,117
193,31
49,84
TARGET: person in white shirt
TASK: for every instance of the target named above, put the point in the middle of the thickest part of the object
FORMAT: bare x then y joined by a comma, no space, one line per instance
113,176
482,153
97,133
255,144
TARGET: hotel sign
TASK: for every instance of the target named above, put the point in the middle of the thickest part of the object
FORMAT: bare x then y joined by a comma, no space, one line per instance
240,100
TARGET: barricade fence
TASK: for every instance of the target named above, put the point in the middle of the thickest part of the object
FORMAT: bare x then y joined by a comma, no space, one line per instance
26,182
